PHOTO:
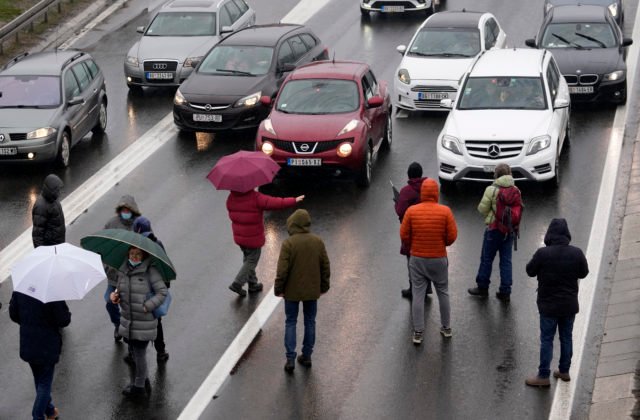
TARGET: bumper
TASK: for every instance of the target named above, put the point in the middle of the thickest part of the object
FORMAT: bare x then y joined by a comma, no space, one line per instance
423,95
136,76
603,92
42,150
231,118
393,6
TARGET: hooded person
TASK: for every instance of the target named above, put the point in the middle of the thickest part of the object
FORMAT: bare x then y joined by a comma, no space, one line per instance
47,216
558,266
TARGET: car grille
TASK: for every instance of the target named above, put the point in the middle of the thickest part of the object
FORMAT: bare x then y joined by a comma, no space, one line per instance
18,136
583,79
405,4
489,149
212,107
479,175
170,65
314,146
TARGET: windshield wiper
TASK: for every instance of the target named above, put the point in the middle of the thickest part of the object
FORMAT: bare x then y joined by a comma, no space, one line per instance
243,73
566,41
590,38
439,54
28,106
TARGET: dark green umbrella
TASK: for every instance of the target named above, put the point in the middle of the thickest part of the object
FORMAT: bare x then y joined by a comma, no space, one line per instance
113,245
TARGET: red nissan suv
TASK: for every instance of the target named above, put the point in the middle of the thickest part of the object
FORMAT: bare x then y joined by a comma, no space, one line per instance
329,116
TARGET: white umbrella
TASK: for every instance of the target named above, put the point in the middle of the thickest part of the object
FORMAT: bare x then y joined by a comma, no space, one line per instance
58,272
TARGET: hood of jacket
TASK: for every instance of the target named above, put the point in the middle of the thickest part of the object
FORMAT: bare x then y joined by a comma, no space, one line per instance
505,181
416,183
52,187
129,202
429,191
299,222
141,225
557,233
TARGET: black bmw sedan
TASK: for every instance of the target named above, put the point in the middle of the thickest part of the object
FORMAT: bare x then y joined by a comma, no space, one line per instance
590,50
616,7
223,93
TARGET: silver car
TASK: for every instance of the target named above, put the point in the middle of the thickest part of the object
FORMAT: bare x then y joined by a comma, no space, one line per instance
177,37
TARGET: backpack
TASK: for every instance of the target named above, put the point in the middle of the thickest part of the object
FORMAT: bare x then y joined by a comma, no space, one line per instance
509,212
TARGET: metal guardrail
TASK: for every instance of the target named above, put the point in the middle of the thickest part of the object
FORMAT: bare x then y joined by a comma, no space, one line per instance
27,19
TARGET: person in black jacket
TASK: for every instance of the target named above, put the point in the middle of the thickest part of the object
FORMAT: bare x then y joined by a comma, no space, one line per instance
558,266
40,344
47,216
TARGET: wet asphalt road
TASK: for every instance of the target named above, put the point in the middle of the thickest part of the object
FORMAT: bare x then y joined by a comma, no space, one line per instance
364,364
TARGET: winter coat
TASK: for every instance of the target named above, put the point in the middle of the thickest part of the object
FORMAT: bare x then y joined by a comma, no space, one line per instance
117,222
303,266
487,206
134,286
558,266
48,219
409,195
246,211
40,325
428,227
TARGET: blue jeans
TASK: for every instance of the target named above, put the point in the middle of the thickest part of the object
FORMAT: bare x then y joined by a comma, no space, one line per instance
494,241
309,309
112,308
547,333
43,379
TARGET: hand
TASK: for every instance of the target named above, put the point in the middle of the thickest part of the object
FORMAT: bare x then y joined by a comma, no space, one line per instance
299,198
144,308
115,297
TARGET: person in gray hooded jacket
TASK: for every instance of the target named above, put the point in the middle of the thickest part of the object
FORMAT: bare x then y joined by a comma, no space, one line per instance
47,215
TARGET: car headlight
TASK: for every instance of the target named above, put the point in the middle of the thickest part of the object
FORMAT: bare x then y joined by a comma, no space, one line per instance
351,125
267,148
451,143
250,100
539,143
403,75
41,132
615,75
344,150
548,7
179,99
132,61
613,8
269,127
189,61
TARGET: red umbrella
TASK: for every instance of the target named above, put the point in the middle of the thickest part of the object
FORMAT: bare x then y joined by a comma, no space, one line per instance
243,171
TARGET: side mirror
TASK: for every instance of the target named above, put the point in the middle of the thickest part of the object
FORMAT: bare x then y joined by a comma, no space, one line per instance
265,100
375,102
226,30
76,100
401,49
626,42
560,103
194,63
287,67
530,43
446,103
140,29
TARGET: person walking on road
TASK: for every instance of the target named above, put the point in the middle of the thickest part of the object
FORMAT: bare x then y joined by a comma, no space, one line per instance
47,216
246,211
40,345
139,290
126,213
495,239
429,227
302,275
558,267
410,195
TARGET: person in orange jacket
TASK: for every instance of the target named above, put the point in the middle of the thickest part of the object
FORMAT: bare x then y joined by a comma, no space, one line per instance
429,227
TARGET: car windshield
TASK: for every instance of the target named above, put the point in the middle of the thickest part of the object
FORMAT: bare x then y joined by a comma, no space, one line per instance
437,42
503,93
579,35
29,91
319,96
182,24
233,60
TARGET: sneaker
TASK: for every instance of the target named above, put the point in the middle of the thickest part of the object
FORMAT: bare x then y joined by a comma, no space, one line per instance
304,361
255,288
162,357
537,381
559,375
478,291
235,287
406,293
417,337
505,297
133,391
446,332
289,366
116,335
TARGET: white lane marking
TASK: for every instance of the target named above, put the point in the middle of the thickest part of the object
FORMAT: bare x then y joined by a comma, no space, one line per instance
102,16
565,391
96,186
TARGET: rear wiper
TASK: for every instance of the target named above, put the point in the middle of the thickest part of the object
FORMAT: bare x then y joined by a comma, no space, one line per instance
243,73
566,41
590,38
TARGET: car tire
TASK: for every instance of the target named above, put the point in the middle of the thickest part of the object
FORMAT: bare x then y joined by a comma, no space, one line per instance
445,184
364,14
363,179
101,124
64,151
387,141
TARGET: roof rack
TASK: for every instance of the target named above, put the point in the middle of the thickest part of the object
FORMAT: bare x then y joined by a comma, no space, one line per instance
74,58
15,59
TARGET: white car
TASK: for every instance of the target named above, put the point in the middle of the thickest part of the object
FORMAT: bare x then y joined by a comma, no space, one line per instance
513,108
439,53
398,6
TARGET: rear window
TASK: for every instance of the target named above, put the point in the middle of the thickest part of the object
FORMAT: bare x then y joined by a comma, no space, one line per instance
182,24
319,96
29,91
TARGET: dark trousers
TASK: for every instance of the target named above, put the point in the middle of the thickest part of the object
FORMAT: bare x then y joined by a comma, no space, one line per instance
495,242
247,273
43,379
548,327
158,343
309,309
138,350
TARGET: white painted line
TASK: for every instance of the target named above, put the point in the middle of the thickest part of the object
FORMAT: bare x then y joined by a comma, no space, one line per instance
102,16
304,11
565,391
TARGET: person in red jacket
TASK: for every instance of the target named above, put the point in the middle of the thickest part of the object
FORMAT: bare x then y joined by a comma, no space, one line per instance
247,223
429,227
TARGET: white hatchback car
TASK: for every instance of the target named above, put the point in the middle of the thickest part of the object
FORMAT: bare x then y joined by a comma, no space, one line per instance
513,108
440,52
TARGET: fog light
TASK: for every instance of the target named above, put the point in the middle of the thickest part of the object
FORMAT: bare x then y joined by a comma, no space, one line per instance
267,148
129,79
344,150
31,155
616,93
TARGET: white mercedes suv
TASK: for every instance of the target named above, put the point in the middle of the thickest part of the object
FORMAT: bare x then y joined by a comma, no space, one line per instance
513,108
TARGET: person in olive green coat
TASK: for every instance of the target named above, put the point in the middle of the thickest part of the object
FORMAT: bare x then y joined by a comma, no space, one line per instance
302,276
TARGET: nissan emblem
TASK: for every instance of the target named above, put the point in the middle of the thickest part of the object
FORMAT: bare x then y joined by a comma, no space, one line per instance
304,147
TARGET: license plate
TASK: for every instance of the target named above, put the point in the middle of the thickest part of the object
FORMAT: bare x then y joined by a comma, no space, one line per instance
433,95
304,162
393,9
163,76
207,118
489,168
580,89
8,151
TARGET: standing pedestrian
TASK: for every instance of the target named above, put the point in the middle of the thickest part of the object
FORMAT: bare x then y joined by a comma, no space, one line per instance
47,215
246,211
302,276
126,213
140,289
40,345
496,239
429,227
558,267
410,195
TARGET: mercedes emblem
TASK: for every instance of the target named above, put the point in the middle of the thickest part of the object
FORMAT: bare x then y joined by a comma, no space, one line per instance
304,147
493,150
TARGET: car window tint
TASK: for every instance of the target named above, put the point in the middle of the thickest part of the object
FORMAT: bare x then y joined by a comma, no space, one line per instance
298,47
285,55
71,87
225,19
309,41
241,5
234,12
554,80
93,68
84,79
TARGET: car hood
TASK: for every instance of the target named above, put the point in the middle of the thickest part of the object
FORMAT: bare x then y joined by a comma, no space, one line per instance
172,47
26,117
498,124
594,61
202,87
310,127
421,68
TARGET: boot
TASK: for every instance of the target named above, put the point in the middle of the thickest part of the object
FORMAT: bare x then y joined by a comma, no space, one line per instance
537,381
478,291
289,366
304,361
133,391
559,375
